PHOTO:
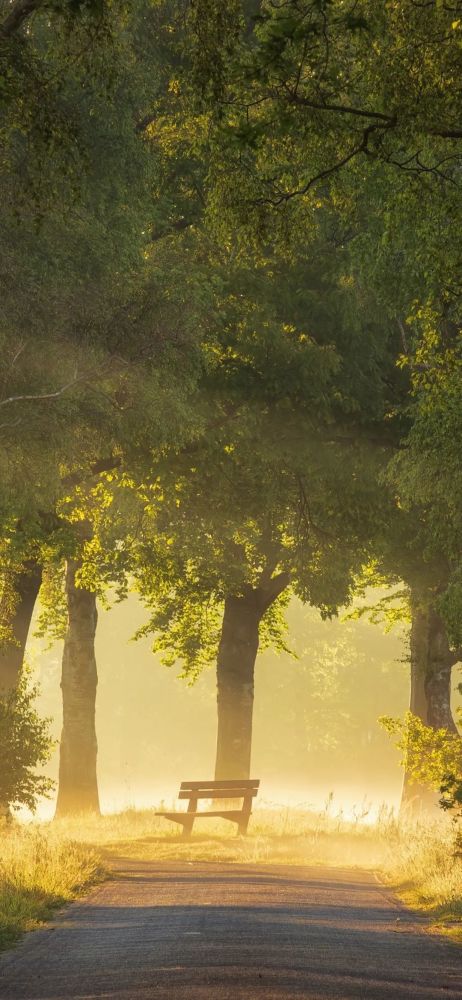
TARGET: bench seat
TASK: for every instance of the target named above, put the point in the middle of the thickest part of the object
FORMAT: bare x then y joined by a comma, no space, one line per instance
182,817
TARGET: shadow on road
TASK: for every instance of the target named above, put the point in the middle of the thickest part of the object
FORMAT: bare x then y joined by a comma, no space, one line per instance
229,932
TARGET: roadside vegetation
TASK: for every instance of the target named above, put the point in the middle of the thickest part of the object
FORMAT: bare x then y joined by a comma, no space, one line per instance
40,869
424,866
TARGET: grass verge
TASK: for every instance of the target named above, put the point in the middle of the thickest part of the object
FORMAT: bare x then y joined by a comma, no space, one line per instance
39,870
424,867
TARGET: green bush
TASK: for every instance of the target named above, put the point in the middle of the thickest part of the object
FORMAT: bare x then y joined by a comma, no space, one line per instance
429,755
25,743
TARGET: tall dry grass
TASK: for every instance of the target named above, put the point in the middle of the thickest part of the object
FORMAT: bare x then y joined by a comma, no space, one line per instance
39,870
277,835
424,864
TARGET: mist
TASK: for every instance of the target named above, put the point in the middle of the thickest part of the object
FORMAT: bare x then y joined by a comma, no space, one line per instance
315,728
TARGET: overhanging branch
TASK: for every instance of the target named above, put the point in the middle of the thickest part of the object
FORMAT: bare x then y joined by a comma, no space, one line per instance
274,589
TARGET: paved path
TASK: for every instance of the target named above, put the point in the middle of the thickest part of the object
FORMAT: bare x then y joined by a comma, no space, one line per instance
176,931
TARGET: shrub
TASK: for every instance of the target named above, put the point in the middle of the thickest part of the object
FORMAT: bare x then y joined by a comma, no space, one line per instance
429,755
25,744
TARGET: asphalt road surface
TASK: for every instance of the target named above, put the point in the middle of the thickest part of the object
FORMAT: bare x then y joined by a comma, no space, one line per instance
179,931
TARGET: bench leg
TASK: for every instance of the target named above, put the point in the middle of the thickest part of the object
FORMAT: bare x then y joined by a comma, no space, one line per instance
187,828
189,819
244,821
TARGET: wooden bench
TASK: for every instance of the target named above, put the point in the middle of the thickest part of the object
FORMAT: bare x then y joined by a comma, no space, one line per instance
195,790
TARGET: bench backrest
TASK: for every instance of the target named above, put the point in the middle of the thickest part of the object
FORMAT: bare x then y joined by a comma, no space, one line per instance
235,789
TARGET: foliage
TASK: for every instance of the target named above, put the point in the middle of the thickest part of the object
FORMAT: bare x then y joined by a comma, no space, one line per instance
232,512
429,755
320,92
428,471
343,120
110,354
24,744
11,563
52,619
390,609
47,50
451,793
277,470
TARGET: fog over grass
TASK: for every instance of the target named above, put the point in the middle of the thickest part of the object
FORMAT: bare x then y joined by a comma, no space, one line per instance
315,717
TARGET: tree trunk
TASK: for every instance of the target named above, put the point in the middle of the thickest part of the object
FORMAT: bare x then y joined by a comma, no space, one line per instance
27,585
235,675
78,787
235,686
430,698
441,660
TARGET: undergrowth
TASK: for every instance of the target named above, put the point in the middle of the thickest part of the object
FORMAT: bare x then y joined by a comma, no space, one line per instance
40,869
424,864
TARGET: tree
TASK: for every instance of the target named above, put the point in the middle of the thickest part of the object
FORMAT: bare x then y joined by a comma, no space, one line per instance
227,351
405,555
78,786
278,489
428,471
332,112
110,358
314,92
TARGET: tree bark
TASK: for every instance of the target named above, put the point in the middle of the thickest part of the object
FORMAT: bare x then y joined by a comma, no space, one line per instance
27,585
440,662
432,661
78,787
235,675
235,686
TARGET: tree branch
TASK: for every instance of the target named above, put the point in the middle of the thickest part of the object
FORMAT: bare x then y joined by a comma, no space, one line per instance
454,133
306,102
101,465
305,512
362,147
18,14
27,397
274,589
